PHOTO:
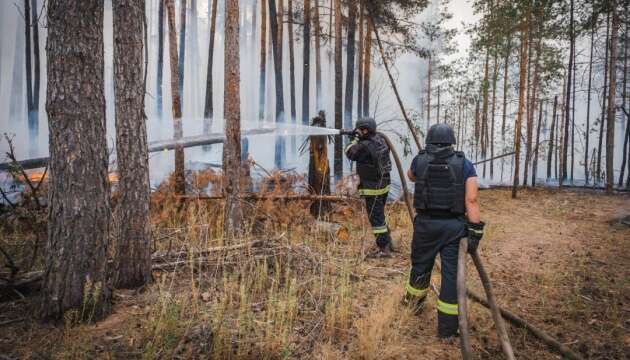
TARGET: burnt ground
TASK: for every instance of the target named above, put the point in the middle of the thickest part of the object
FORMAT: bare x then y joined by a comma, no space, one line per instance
558,259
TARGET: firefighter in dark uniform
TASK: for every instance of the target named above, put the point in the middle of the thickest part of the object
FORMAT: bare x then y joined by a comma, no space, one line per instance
445,199
371,153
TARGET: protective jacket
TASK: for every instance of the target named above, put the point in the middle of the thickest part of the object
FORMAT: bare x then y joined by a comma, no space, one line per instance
440,185
373,164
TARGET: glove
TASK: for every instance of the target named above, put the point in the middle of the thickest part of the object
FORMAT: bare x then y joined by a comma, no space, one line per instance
475,233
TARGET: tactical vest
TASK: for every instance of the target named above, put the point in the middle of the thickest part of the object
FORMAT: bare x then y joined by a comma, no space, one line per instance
375,173
440,183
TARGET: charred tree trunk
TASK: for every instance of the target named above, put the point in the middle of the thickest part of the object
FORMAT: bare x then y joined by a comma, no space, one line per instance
133,245
535,160
360,62
350,53
567,103
306,68
232,213
367,61
612,109
280,151
208,110
338,156
34,113
182,46
28,68
179,175
587,130
319,169
263,59
521,102
318,57
552,137
292,67
160,59
601,119
79,210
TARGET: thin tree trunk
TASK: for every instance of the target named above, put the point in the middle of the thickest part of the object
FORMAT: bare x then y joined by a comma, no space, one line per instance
280,20
292,65
601,124
429,71
573,114
280,152
624,94
182,46
367,61
495,74
180,179
506,68
133,243
535,160
338,156
612,109
485,86
28,67
160,59
263,59
79,210
360,62
551,137
567,102
233,213
318,58
350,54
306,68
437,114
36,66
208,111
477,129
587,130
521,102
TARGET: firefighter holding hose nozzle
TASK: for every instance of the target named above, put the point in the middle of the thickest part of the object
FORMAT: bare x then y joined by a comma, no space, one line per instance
371,153
445,199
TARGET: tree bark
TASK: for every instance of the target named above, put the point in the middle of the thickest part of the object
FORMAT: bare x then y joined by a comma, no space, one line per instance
319,169
280,151
587,130
612,109
624,94
79,211
601,119
160,59
360,62
552,137
28,67
567,102
318,58
178,132
367,61
535,160
521,102
338,155
350,54
232,212
292,66
36,67
263,59
182,46
133,245
306,68
208,110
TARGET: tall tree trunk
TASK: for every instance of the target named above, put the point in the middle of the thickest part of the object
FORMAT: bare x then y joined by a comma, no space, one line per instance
587,130
178,131
319,168
318,58
535,160
133,243
521,102
280,21
573,114
79,210
495,74
28,68
533,100
350,53
506,68
485,86
263,59
437,114
292,66
624,94
338,156
477,129
367,61
160,59
36,67
551,137
208,110
306,68
567,102
429,72
360,62
182,46
233,213
280,151
612,95
602,121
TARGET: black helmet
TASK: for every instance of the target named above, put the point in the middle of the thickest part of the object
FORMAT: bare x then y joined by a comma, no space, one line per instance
367,123
440,134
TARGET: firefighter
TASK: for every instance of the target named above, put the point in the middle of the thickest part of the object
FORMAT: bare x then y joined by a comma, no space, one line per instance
371,153
445,200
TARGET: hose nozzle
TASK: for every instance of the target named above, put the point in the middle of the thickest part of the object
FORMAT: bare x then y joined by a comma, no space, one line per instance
347,132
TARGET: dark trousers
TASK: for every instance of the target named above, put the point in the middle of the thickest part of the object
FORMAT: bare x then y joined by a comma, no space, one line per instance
430,237
375,206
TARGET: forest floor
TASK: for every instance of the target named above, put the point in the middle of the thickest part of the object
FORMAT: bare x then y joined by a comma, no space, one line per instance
559,259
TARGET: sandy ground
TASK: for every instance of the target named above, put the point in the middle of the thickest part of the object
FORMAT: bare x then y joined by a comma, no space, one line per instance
559,259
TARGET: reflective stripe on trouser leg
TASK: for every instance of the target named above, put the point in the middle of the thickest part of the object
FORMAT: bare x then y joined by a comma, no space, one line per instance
415,292
446,308
380,229
375,206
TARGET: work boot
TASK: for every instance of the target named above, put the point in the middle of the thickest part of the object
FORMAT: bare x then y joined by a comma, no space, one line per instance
414,303
379,252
